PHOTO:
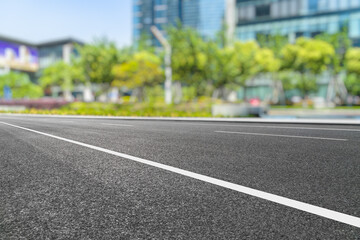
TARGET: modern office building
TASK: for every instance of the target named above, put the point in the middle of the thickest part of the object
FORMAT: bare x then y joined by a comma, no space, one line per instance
206,16
18,55
31,59
246,19
58,50
295,18
22,56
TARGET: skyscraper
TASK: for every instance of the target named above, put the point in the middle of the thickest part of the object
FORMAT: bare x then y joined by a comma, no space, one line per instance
295,18
206,16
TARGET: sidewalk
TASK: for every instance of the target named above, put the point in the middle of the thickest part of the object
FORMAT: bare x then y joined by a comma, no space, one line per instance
334,113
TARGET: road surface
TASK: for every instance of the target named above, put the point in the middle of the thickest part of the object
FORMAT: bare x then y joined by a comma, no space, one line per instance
73,178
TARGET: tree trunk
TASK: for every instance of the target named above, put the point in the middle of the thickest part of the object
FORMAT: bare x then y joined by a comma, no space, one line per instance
134,95
305,91
114,95
137,95
177,92
221,93
68,96
215,94
87,93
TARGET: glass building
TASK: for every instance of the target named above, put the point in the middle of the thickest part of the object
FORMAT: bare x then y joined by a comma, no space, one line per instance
295,18
206,16
55,51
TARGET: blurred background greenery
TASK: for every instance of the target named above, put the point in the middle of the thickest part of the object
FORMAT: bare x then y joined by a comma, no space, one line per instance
129,81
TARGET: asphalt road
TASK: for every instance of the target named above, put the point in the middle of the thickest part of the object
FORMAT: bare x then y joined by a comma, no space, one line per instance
77,182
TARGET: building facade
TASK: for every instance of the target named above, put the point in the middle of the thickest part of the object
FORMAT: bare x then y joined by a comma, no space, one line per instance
295,18
21,56
17,55
247,19
206,16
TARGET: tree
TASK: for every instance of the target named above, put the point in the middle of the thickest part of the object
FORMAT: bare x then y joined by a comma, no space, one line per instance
64,75
341,43
20,85
265,61
97,61
245,60
352,63
224,70
141,71
274,42
188,59
308,57
144,43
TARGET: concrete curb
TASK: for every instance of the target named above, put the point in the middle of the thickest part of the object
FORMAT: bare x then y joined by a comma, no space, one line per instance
201,119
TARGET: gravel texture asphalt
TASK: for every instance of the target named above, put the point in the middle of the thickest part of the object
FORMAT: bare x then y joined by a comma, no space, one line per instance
52,189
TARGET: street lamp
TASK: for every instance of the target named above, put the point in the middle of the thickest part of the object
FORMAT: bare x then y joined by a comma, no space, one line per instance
168,72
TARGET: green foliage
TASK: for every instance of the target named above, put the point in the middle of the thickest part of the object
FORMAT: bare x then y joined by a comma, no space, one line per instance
273,42
245,60
221,36
154,94
307,55
130,109
189,93
225,69
341,43
288,79
98,59
145,43
188,59
353,60
62,74
202,65
352,83
352,64
142,70
20,85
306,83
265,61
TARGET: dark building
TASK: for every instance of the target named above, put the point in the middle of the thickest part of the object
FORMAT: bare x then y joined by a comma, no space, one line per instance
295,18
206,16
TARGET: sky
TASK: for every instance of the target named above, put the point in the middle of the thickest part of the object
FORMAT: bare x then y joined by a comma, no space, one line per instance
39,21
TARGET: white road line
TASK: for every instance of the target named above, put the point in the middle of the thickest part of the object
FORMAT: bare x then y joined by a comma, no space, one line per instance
323,212
122,125
280,127
277,135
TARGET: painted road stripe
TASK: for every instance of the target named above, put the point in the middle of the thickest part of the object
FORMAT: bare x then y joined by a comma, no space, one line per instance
122,125
323,212
280,127
277,135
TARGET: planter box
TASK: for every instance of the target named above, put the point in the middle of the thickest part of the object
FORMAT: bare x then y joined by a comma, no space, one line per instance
237,110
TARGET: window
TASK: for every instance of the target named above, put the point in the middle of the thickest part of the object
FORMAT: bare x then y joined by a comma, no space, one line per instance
314,34
313,5
262,11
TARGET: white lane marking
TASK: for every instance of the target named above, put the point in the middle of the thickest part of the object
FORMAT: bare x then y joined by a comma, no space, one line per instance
277,135
122,125
280,127
323,212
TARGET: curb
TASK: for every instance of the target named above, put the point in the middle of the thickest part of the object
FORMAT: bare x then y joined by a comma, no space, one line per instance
201,119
